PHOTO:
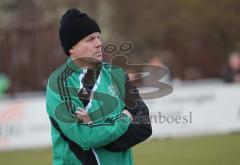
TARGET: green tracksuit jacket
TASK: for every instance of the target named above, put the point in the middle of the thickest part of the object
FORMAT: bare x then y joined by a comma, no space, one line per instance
75,143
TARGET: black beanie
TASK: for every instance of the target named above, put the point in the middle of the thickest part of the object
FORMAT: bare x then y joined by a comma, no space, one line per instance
75,25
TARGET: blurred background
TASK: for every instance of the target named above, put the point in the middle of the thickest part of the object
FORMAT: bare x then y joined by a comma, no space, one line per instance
196,41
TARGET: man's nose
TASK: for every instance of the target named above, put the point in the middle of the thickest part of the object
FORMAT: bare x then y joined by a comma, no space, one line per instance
98,42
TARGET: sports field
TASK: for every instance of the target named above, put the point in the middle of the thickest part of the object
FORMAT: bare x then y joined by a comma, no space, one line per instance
207,150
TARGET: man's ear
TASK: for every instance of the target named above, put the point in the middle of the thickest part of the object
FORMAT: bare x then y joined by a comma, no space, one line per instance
70,51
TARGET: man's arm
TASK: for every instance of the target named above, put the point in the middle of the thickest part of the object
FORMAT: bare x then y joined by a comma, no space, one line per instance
140,129
87,136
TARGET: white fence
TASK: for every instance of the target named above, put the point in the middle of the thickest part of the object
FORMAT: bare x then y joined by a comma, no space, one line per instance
189,110
196,109
24,123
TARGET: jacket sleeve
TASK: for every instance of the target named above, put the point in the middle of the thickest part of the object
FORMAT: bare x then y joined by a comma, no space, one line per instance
87,136
140,129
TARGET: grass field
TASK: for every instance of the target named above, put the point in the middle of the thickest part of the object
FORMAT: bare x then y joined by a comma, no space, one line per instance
207,150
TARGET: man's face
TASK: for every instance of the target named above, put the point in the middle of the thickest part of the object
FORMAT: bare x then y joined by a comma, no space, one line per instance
234,62
89,49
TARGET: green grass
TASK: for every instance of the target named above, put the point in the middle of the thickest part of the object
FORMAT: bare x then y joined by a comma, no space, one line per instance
207,150
26,157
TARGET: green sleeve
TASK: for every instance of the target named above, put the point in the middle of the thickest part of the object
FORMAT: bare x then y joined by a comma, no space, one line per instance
87,136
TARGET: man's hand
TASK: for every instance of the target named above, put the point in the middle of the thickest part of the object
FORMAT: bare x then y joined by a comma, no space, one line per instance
83,116
127,113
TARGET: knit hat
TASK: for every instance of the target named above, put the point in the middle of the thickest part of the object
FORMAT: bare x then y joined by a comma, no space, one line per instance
74,26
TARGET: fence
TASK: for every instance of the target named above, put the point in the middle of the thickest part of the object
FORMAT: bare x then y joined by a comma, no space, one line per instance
28,55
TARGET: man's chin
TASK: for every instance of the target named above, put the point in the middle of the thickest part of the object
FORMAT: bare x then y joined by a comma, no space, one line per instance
99,59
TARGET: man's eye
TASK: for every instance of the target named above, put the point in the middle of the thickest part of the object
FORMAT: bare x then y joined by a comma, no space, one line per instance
89,39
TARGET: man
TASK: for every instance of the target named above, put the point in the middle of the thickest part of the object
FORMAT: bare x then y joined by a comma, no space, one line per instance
90,103
4,83
231,73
